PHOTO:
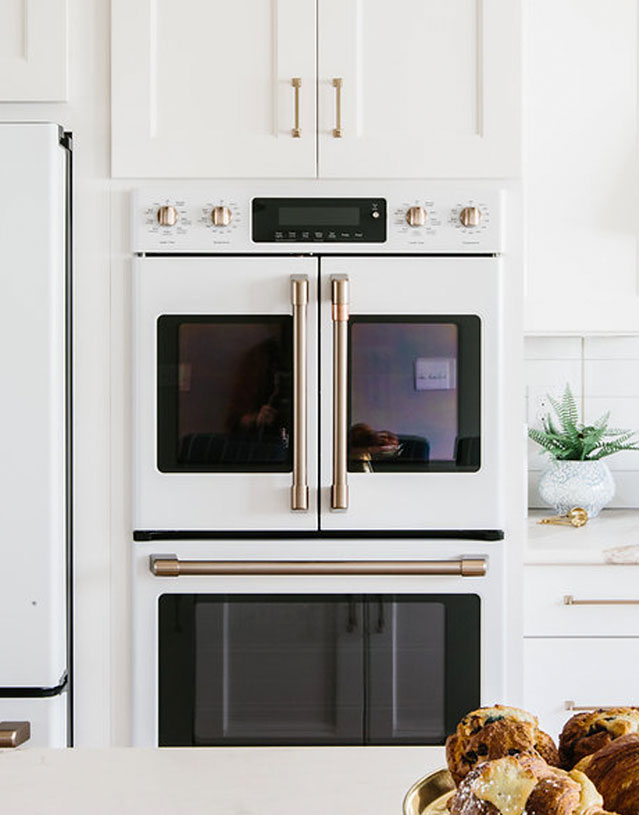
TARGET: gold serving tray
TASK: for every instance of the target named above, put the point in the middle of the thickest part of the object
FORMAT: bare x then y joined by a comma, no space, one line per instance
429,795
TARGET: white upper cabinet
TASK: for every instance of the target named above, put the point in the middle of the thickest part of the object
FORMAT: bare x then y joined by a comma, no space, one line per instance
33,50
205,88
412,88
430,88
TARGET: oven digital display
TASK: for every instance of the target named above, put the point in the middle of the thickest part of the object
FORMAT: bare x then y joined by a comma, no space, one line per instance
319,216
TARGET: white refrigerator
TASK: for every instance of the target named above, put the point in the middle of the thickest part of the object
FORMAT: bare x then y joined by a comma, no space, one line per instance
35,422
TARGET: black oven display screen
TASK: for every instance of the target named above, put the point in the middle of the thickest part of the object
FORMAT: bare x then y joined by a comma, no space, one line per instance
224,394
319,216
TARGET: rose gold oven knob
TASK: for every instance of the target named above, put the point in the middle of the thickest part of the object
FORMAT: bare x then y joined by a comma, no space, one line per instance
416,216
167,216
221,216
470,216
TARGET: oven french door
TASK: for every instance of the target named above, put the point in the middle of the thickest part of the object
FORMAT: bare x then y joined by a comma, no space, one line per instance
230,377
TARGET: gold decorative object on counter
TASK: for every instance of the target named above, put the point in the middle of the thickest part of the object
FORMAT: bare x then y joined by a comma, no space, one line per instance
577,516
429,795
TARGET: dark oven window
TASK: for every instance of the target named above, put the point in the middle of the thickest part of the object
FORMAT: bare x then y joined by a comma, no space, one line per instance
224,393
414,399
316,669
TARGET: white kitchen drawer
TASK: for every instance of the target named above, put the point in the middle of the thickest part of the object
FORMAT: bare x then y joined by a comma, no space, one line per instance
588,672
547,612
47,716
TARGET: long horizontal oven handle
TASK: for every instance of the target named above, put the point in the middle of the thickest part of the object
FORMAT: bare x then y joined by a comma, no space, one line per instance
172,566
13,734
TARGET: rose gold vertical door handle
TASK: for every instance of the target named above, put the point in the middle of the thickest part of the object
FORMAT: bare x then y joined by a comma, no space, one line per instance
339,298
299,292
296,82
337,130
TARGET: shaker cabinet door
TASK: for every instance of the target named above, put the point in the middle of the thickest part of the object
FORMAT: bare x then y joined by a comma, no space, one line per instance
205,88
33,51
429,88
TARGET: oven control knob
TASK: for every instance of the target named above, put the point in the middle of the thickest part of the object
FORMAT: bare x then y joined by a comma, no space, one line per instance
416,216
167,216
470,216
221,216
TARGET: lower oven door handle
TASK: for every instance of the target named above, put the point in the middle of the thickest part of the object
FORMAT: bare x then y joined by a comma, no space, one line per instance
299,492
13,734
172,566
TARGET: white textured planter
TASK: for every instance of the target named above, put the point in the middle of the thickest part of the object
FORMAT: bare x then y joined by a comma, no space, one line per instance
568,484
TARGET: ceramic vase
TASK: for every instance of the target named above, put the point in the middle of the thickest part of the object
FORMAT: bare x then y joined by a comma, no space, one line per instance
568,484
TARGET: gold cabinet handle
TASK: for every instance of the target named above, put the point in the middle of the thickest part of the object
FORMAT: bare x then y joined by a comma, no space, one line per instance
339,311
299,496
570,705
337,130
569,600
172,566
13,734
296,82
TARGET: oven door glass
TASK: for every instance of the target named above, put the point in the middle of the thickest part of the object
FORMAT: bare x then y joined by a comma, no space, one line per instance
316,669
414,394
225,393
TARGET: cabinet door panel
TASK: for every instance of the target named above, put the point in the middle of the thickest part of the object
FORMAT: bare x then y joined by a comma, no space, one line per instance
430,88
204,88
33,51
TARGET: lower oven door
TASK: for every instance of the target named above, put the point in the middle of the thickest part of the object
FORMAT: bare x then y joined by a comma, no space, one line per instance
249,659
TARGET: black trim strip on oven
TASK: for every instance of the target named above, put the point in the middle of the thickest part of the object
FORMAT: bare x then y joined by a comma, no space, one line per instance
142,535
33,693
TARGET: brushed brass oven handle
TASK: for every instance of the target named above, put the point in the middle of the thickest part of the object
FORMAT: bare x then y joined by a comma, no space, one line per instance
299,493
569,600
13,734
339,311
296,82
570,705
172,566
337,130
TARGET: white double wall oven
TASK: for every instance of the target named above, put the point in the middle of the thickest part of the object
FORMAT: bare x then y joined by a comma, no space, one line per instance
318,505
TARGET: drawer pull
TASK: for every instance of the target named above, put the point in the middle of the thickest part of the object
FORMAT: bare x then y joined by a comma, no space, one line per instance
569,600
296,82
570,705
13,734
171,566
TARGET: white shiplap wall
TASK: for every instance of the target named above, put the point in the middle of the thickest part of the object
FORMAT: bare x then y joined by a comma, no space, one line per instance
603,373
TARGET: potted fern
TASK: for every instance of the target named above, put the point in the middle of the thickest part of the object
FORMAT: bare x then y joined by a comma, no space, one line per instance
577,476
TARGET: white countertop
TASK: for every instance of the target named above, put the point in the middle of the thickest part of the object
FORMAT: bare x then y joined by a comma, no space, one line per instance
213,781
610,538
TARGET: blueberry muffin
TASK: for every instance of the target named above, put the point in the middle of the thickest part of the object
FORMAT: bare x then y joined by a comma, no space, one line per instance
494,732
587,733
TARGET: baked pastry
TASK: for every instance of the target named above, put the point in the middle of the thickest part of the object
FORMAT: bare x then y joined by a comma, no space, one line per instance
586,733
615,772
520,784
493,732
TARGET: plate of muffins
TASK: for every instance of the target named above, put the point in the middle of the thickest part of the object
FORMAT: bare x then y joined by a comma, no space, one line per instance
501,763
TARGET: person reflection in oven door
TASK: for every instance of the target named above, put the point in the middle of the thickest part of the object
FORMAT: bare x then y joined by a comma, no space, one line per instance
260,406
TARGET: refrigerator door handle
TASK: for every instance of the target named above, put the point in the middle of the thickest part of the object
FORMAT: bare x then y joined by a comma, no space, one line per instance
13,734
340,299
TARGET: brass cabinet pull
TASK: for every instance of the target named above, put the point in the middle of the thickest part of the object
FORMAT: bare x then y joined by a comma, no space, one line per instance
570,705
172,566
337,130
13,734
296,82
299,497
339,298
569,600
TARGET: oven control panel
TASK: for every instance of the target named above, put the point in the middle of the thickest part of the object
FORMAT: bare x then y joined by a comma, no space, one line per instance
319,217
